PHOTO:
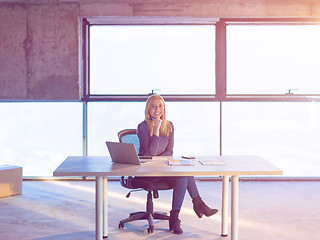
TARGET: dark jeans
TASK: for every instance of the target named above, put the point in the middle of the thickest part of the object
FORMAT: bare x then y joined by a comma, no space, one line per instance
180,185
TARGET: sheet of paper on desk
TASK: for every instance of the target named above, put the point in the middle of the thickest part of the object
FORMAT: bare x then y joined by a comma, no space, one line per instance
211,162
181,162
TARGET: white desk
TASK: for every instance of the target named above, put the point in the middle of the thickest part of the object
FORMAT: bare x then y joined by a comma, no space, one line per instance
101,167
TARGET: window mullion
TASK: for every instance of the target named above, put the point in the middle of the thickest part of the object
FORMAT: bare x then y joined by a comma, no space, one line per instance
221,67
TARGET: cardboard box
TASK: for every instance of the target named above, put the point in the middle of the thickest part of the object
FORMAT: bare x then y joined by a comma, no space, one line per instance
10,180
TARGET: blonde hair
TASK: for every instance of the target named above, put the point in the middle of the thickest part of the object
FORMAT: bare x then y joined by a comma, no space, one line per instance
165,128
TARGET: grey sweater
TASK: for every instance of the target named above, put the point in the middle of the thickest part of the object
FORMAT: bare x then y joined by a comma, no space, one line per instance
153,145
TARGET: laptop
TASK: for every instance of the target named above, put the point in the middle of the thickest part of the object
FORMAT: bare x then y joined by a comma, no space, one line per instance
125,153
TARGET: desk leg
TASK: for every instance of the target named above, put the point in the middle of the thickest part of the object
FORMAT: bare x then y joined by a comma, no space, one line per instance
105,207
225,206
99,208
234,207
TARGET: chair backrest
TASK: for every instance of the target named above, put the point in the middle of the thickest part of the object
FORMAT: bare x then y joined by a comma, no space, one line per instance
130,136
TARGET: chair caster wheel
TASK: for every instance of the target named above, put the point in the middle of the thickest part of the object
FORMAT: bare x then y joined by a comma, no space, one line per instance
150,229
121,225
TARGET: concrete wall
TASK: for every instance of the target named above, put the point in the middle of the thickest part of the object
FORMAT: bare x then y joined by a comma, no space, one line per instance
39,39
39,51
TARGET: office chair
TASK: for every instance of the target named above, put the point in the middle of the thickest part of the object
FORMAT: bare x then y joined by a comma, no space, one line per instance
138,184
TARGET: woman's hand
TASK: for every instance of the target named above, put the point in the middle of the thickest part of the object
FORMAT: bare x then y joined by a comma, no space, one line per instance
156,128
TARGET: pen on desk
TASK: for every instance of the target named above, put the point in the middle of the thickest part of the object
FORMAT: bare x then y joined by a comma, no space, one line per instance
188,157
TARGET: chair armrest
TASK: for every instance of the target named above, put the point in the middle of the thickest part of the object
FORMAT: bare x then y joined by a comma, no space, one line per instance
126,182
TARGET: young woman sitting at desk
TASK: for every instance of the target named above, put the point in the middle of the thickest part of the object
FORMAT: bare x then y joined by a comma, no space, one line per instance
156,136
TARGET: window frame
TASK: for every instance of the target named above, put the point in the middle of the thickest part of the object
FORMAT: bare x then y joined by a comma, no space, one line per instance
285,97
87,22
220,57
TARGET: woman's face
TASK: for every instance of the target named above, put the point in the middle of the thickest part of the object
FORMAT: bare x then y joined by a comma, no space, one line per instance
156,109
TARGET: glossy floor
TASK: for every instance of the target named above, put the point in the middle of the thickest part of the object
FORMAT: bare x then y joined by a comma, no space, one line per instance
50,210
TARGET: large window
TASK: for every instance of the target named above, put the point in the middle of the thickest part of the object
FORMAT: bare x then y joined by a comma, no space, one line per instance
273,59
286,133
39,136
137,59
195,134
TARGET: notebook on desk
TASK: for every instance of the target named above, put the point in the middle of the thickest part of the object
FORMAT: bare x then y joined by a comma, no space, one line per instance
181,162
125,153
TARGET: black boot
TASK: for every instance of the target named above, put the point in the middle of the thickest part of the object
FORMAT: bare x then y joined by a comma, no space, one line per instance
201,208
174,222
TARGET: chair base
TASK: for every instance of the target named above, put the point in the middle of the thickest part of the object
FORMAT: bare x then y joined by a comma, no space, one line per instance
145,216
